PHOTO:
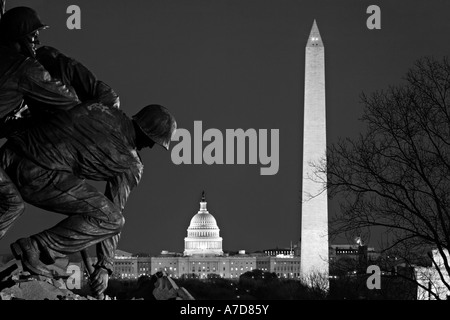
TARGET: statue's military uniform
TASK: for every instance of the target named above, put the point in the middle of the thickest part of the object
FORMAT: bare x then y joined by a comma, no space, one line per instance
73,73
24,81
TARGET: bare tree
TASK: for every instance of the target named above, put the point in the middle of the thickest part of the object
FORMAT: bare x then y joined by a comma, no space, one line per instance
396,175
317,283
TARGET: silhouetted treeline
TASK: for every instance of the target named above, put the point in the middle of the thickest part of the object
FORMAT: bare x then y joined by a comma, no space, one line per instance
258,285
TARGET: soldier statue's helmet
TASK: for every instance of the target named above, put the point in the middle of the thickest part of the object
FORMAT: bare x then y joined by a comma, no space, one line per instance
18,22
157,123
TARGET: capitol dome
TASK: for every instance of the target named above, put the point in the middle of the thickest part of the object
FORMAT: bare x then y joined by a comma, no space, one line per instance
203,234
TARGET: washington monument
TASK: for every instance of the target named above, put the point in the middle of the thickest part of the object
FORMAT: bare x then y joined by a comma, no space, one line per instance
314,233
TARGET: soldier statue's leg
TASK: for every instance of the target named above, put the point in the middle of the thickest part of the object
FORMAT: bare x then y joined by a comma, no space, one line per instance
105,252
91,216
11,203
11,207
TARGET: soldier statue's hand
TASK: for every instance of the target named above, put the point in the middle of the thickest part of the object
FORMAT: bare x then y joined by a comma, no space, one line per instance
99,281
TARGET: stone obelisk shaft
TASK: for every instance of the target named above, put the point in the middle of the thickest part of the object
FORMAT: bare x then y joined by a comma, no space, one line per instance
314,232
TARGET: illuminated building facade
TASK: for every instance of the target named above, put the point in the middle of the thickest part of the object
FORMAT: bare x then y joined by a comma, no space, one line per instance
203,267
203,234
204,258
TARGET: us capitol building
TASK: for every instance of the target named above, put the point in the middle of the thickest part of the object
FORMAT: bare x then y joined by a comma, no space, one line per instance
203,256
203,234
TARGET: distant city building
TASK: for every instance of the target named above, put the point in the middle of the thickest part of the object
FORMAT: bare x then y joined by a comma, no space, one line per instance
430,279
284,266
125,265
204,266
352,251
294,250
351,258
129,266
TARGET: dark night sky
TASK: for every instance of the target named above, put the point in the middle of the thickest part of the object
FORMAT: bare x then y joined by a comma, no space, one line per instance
233,64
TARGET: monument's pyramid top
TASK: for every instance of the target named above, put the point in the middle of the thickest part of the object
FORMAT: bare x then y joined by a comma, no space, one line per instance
314,40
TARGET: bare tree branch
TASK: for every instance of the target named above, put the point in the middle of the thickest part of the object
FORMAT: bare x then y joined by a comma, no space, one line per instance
396,175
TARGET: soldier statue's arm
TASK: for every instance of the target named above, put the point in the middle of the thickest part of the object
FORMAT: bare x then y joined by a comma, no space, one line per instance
42,91
38,91
73,73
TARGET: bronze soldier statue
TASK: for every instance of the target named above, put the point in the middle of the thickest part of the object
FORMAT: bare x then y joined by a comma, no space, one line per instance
50,162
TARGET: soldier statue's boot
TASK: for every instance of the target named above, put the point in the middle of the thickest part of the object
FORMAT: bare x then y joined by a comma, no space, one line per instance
27,251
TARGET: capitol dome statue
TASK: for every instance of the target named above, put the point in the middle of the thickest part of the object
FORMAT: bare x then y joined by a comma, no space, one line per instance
203,234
